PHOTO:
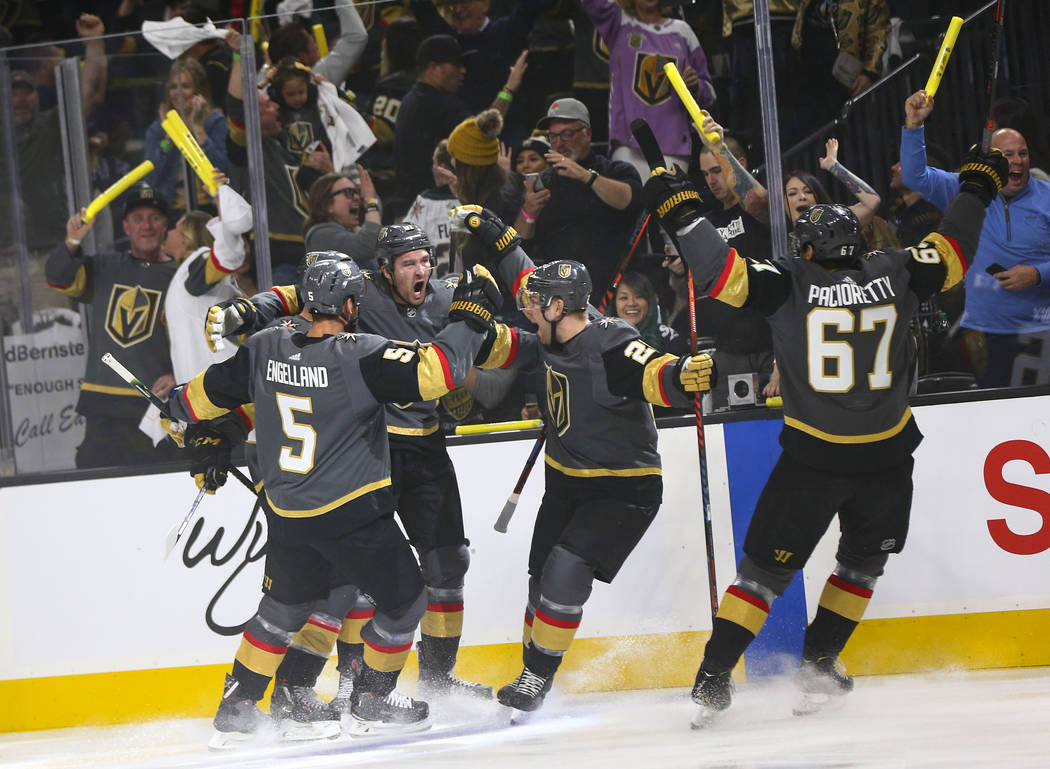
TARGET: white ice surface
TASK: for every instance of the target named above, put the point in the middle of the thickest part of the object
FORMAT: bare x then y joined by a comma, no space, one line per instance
945,720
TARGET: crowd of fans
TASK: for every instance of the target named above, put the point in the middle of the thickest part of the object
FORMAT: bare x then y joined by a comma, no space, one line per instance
520,107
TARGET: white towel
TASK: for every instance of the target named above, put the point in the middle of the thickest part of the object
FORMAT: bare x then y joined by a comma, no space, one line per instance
236,220
176,36
347,130
286,9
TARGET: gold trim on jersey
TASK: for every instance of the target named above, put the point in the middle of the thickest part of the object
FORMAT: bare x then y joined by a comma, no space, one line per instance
734,289
213,271
832,438
359,492
504,349
108,389
433,373
955,268
652,380
201,406
290,297
413,430
601,472
76,287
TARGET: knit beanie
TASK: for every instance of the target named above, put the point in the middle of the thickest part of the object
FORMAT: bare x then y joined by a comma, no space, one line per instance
474,140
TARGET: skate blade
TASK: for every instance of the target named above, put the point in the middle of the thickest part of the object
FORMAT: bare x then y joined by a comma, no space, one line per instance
293,731
360,728
809,703
520,717
704,717
229,740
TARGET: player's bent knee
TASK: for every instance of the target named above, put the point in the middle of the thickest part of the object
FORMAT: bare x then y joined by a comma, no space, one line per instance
861,570
445,567
280,618
403,619
773,578
567,578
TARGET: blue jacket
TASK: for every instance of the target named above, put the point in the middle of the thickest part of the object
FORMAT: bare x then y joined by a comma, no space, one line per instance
1016,231
166,162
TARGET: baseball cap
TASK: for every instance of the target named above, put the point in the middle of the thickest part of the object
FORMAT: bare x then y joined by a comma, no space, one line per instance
143,195
537,144
439,49
22,78
565,109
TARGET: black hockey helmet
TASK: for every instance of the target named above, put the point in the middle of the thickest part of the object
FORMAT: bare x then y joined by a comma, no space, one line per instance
564,278
831,229
397,239
328,283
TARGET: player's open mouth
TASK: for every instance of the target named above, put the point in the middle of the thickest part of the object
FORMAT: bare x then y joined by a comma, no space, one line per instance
417,287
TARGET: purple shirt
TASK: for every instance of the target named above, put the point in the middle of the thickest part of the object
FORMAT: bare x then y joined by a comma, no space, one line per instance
639,88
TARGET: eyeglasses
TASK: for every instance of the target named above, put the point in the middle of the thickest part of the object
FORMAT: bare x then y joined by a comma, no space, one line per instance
567,135
350,192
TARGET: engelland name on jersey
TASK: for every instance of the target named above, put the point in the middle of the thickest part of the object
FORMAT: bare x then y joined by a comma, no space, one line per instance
846,294
297,376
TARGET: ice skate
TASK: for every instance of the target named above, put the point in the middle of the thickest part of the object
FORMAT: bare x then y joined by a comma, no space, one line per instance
237,720
395,713
340,704
525,694
300,715
435,684
713,692
819,682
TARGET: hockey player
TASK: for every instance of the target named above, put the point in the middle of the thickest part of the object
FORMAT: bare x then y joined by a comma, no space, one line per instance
603,478
318,414
839,320
404,301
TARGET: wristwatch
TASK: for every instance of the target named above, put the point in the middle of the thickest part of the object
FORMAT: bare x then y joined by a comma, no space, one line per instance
371,204
590,182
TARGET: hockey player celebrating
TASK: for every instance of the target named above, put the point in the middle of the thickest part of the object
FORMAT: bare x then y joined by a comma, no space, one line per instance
603,476
324,458
404,301
839,321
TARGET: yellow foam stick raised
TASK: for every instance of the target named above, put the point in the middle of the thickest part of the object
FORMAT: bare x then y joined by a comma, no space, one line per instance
115,189
183,138
941,63
499,427
674,77
321,40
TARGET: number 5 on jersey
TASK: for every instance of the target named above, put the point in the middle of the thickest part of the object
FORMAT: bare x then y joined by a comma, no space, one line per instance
289,460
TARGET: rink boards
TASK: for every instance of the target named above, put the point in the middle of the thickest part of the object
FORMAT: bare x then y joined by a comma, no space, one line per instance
99,628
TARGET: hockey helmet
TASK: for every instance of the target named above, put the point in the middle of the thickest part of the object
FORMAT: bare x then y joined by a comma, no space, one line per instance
328,283
397,239
564,278
831,229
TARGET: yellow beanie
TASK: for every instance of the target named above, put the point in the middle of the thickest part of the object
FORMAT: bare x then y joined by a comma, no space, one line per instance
474,140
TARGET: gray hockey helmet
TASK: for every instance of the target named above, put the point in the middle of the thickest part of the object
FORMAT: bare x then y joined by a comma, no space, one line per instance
397,239
329,282
831,229
564,278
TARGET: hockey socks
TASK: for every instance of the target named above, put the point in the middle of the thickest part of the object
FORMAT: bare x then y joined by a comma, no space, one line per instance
842,605
741,615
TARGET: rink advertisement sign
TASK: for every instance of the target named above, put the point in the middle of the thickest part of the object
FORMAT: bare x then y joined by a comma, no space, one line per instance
44,371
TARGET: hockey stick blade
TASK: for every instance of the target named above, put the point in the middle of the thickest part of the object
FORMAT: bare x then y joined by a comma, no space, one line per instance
643,134
508,512
175,533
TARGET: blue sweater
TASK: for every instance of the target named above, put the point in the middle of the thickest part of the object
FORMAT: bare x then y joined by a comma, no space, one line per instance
1016,231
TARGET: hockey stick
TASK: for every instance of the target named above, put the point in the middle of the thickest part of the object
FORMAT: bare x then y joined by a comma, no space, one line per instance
993,75
651,149
120,370
175,532
512,501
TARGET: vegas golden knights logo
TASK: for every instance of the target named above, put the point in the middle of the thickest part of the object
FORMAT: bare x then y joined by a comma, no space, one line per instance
558,400
598,47
564,270
650,82
300,134
131,314
781,556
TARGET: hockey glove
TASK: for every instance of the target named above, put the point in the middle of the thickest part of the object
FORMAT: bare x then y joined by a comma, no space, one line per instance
209,455
176,430
672,198
984,174
697,372
486,226
476,299
234,316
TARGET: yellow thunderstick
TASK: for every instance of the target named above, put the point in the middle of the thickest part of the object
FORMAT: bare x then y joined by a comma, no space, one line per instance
697,114
183,138
115,189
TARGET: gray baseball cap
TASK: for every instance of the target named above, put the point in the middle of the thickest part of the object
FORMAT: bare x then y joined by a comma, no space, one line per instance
565,109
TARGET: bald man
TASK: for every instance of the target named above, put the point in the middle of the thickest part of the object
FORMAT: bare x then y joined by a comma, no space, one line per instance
1006,319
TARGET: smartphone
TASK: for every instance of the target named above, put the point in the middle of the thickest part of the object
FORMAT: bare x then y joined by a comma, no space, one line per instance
313,146
529,177
994,267
538,184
